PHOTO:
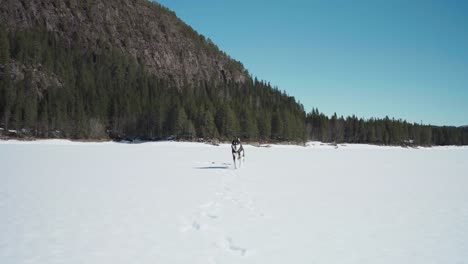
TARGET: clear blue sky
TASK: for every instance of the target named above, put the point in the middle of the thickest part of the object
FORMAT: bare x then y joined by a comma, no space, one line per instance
404,59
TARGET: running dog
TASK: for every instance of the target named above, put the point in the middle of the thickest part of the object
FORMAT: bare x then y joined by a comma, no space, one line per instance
238,150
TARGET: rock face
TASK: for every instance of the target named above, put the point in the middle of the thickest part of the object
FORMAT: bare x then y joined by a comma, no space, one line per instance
148,32
39,78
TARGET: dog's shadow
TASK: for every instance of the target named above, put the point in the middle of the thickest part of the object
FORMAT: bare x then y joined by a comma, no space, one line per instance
214,166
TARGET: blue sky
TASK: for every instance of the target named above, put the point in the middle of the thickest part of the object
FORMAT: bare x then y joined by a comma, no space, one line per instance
404,59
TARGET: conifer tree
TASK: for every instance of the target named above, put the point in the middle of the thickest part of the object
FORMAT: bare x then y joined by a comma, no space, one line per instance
6,87
277,126
248,125
227,122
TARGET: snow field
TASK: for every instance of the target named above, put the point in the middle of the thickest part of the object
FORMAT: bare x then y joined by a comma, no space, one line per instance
69,202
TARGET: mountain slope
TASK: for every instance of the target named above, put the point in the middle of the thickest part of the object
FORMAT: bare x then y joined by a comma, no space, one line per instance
126,69
147,31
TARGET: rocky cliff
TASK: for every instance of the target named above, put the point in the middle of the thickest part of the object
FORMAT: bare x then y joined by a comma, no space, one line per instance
150,33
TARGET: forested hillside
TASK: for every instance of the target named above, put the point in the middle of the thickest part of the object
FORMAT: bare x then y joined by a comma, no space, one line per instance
51,90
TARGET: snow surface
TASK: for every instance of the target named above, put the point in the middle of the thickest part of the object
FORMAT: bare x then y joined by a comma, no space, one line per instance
69,202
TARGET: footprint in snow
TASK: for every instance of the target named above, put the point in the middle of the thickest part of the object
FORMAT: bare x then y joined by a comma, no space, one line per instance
235,248
212,216
195,225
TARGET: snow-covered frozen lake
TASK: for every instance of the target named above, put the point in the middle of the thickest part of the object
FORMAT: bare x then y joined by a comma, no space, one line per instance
98,203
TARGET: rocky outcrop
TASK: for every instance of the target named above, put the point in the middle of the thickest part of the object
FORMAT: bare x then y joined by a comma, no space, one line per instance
148,32
38,77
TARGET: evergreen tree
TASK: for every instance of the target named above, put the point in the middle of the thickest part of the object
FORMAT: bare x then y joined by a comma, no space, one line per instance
226,122
6,88
248,124
207,125
4,46
264,125
277,126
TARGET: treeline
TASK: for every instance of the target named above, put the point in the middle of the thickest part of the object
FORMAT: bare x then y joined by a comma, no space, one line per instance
51,89
68,92
384,131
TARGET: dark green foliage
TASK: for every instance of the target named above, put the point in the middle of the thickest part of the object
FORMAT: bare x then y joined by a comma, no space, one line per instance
4,46
248,124
227,122
207,127
384,131
6,88
112,95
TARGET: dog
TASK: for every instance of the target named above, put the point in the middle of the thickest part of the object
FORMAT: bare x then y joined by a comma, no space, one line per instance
237,152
